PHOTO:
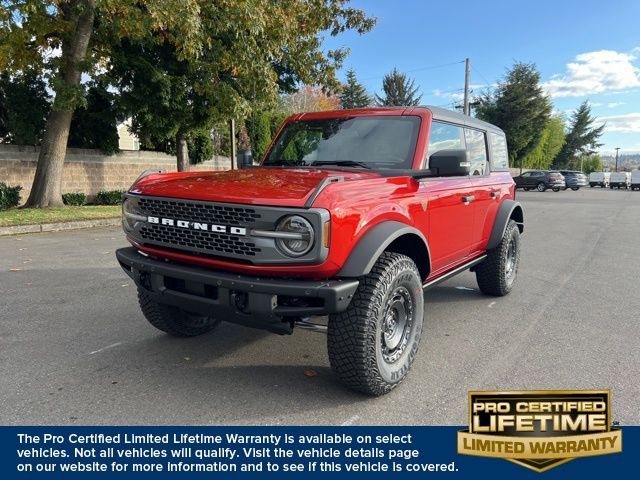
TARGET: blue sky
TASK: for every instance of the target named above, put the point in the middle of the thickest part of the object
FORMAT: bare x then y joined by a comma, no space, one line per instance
583,49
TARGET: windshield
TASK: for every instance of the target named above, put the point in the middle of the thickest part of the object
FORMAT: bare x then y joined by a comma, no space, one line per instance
366,142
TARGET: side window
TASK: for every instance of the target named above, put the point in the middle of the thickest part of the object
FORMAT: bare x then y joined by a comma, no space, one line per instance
526,174
444,136
477,148
499,157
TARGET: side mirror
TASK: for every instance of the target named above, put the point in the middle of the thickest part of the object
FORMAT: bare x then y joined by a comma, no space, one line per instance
450,163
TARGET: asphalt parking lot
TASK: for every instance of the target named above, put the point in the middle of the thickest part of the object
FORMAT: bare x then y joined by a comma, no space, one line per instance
75,349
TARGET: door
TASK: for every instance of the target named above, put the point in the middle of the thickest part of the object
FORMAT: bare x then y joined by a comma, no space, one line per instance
451,211
485,189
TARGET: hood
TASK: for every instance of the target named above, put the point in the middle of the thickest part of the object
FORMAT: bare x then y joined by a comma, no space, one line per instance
290,187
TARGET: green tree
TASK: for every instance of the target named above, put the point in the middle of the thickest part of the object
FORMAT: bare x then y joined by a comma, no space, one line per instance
249,59
399,91
354,95
548,147
24,106
96,124
582,137
591,163
520,107
82,31
259,130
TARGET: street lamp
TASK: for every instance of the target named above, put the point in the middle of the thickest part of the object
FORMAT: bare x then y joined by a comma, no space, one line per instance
617,148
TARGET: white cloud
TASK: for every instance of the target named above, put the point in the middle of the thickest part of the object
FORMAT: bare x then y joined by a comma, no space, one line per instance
615,104
596,72
627,123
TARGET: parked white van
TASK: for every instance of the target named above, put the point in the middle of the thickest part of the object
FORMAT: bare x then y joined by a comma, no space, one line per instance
635,180
599,179
620,180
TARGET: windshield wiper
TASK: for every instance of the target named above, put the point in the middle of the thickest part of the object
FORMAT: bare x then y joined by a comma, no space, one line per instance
342,163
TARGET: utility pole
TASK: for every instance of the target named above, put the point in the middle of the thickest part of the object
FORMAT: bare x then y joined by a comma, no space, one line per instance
467,72
617,148
232,143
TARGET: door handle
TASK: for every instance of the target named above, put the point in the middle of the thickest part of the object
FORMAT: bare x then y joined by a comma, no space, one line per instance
468,199
495,193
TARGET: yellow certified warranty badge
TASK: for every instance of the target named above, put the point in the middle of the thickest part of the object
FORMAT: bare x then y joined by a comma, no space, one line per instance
539,429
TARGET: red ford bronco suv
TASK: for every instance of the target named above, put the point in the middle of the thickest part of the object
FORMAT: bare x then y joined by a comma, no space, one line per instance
350,215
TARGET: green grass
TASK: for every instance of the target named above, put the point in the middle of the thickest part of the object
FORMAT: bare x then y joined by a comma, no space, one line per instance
31,216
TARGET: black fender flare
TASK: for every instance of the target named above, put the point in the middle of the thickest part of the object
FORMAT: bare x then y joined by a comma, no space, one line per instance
366,252
508,209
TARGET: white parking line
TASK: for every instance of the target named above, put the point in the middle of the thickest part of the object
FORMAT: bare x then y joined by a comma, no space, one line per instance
350,421
492,304
113,345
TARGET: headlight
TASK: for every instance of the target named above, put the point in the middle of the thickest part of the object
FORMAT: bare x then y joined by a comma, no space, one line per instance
301,236
127,222
129,218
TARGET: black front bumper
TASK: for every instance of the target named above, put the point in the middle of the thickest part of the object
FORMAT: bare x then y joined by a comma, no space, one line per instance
267,303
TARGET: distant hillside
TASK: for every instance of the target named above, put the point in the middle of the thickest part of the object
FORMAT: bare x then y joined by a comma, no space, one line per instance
629,160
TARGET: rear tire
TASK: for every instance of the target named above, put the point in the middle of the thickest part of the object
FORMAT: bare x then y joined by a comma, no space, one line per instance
575,189
541,187
373,343
497,274
173,320
526,189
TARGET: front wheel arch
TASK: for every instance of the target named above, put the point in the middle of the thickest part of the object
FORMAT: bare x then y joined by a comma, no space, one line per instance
388,236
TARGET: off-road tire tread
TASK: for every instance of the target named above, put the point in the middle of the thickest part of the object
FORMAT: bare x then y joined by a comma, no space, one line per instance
489,273
171,320
351,336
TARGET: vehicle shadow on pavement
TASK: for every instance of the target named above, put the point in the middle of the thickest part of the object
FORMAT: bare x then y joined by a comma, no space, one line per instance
232,375
453,294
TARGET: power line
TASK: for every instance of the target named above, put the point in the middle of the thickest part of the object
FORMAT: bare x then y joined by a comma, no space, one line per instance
430,67
481,76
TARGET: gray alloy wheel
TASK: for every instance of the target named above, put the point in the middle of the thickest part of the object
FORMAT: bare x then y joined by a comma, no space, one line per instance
541,187
497,274
373,343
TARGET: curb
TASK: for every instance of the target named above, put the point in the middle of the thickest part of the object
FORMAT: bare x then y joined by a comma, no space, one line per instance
57,227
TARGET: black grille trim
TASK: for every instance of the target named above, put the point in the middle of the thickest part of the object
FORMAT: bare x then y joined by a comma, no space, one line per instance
198,212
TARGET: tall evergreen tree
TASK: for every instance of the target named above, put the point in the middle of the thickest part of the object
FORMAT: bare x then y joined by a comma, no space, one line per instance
520,107
354,95
399,91
582,137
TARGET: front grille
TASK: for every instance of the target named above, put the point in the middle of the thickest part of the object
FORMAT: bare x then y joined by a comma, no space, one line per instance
207,242
198,212
216,229
214,243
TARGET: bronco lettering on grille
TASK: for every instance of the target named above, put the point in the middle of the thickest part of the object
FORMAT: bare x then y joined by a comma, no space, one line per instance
208,227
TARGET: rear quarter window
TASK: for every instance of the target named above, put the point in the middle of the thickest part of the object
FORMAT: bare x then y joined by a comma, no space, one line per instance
499,155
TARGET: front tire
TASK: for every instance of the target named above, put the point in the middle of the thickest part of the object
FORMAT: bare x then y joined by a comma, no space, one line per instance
373,343
173,320
575,189
556,189
497,274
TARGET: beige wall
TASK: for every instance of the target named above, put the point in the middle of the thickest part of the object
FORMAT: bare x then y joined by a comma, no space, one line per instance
89,171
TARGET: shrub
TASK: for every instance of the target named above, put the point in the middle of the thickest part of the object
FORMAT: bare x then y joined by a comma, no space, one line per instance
109,197
75,199
9,196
